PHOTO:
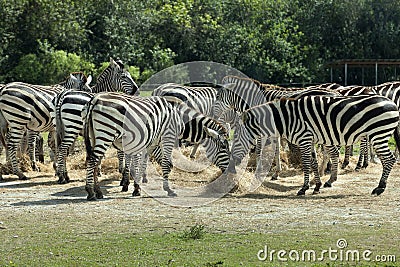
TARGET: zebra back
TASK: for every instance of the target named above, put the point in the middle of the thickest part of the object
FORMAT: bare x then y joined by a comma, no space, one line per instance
115,78
196,122
390,90
356,90
325,86
198,98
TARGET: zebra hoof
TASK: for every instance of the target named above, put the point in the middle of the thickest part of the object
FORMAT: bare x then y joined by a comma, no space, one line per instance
22,177
172,194
301,192
62,181
99,195
316,192
136,193
91,198
274,177
377,191
327,184
144,180
124,188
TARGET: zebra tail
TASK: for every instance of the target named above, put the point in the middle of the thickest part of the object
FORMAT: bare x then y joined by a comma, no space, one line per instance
88,126
60,131
3,129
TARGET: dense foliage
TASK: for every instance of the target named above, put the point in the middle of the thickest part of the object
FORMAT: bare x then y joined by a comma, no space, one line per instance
275,41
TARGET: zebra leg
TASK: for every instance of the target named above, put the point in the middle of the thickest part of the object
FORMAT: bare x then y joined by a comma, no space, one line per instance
361,156
16,135
259,166
143,166
387,159
372,153
32,137
51,142
347,153
121,166
92,184
314,165
194,150
277,159
325,162
126,170
365,163
39,149
166,165
137,173
305,150
63,148
334,154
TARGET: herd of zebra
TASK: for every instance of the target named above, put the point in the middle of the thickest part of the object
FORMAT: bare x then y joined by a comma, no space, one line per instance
112,113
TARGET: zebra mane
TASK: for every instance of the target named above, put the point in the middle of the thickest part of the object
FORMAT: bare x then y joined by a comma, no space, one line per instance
310,92
120,63
77,74
259,84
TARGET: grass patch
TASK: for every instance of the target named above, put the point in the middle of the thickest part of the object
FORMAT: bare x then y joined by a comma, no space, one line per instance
195,232
129,246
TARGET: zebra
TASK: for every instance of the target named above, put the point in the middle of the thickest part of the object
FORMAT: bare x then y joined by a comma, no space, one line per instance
69,105
347,91
199,98
197,128
27,107
332,121
133,124
242,93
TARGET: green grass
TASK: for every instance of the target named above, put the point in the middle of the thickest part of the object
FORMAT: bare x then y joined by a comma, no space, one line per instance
71,246
145,93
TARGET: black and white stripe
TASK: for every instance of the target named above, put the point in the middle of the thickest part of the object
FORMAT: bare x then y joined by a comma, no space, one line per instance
201,99
332,121
27,107
132,124
69,105
241,94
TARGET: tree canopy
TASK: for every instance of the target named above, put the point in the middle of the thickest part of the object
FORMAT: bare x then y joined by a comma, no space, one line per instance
274,41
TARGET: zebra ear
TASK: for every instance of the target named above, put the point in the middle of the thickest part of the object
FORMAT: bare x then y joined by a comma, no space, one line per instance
73,77
89,80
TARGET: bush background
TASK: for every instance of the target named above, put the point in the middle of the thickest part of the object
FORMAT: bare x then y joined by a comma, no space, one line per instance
275,41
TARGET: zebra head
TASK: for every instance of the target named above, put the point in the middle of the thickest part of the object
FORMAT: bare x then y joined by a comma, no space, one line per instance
225,101
242,142
115,78
217,149
122,79
77,80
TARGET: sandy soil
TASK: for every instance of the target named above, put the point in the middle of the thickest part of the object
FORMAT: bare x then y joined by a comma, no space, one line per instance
270,207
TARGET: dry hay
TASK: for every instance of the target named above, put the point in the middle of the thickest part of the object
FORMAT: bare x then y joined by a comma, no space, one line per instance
77,161
24,164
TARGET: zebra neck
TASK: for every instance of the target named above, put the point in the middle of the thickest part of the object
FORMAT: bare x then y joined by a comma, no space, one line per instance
102,86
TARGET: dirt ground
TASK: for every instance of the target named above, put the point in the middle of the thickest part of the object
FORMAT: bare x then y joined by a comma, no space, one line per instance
271,207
